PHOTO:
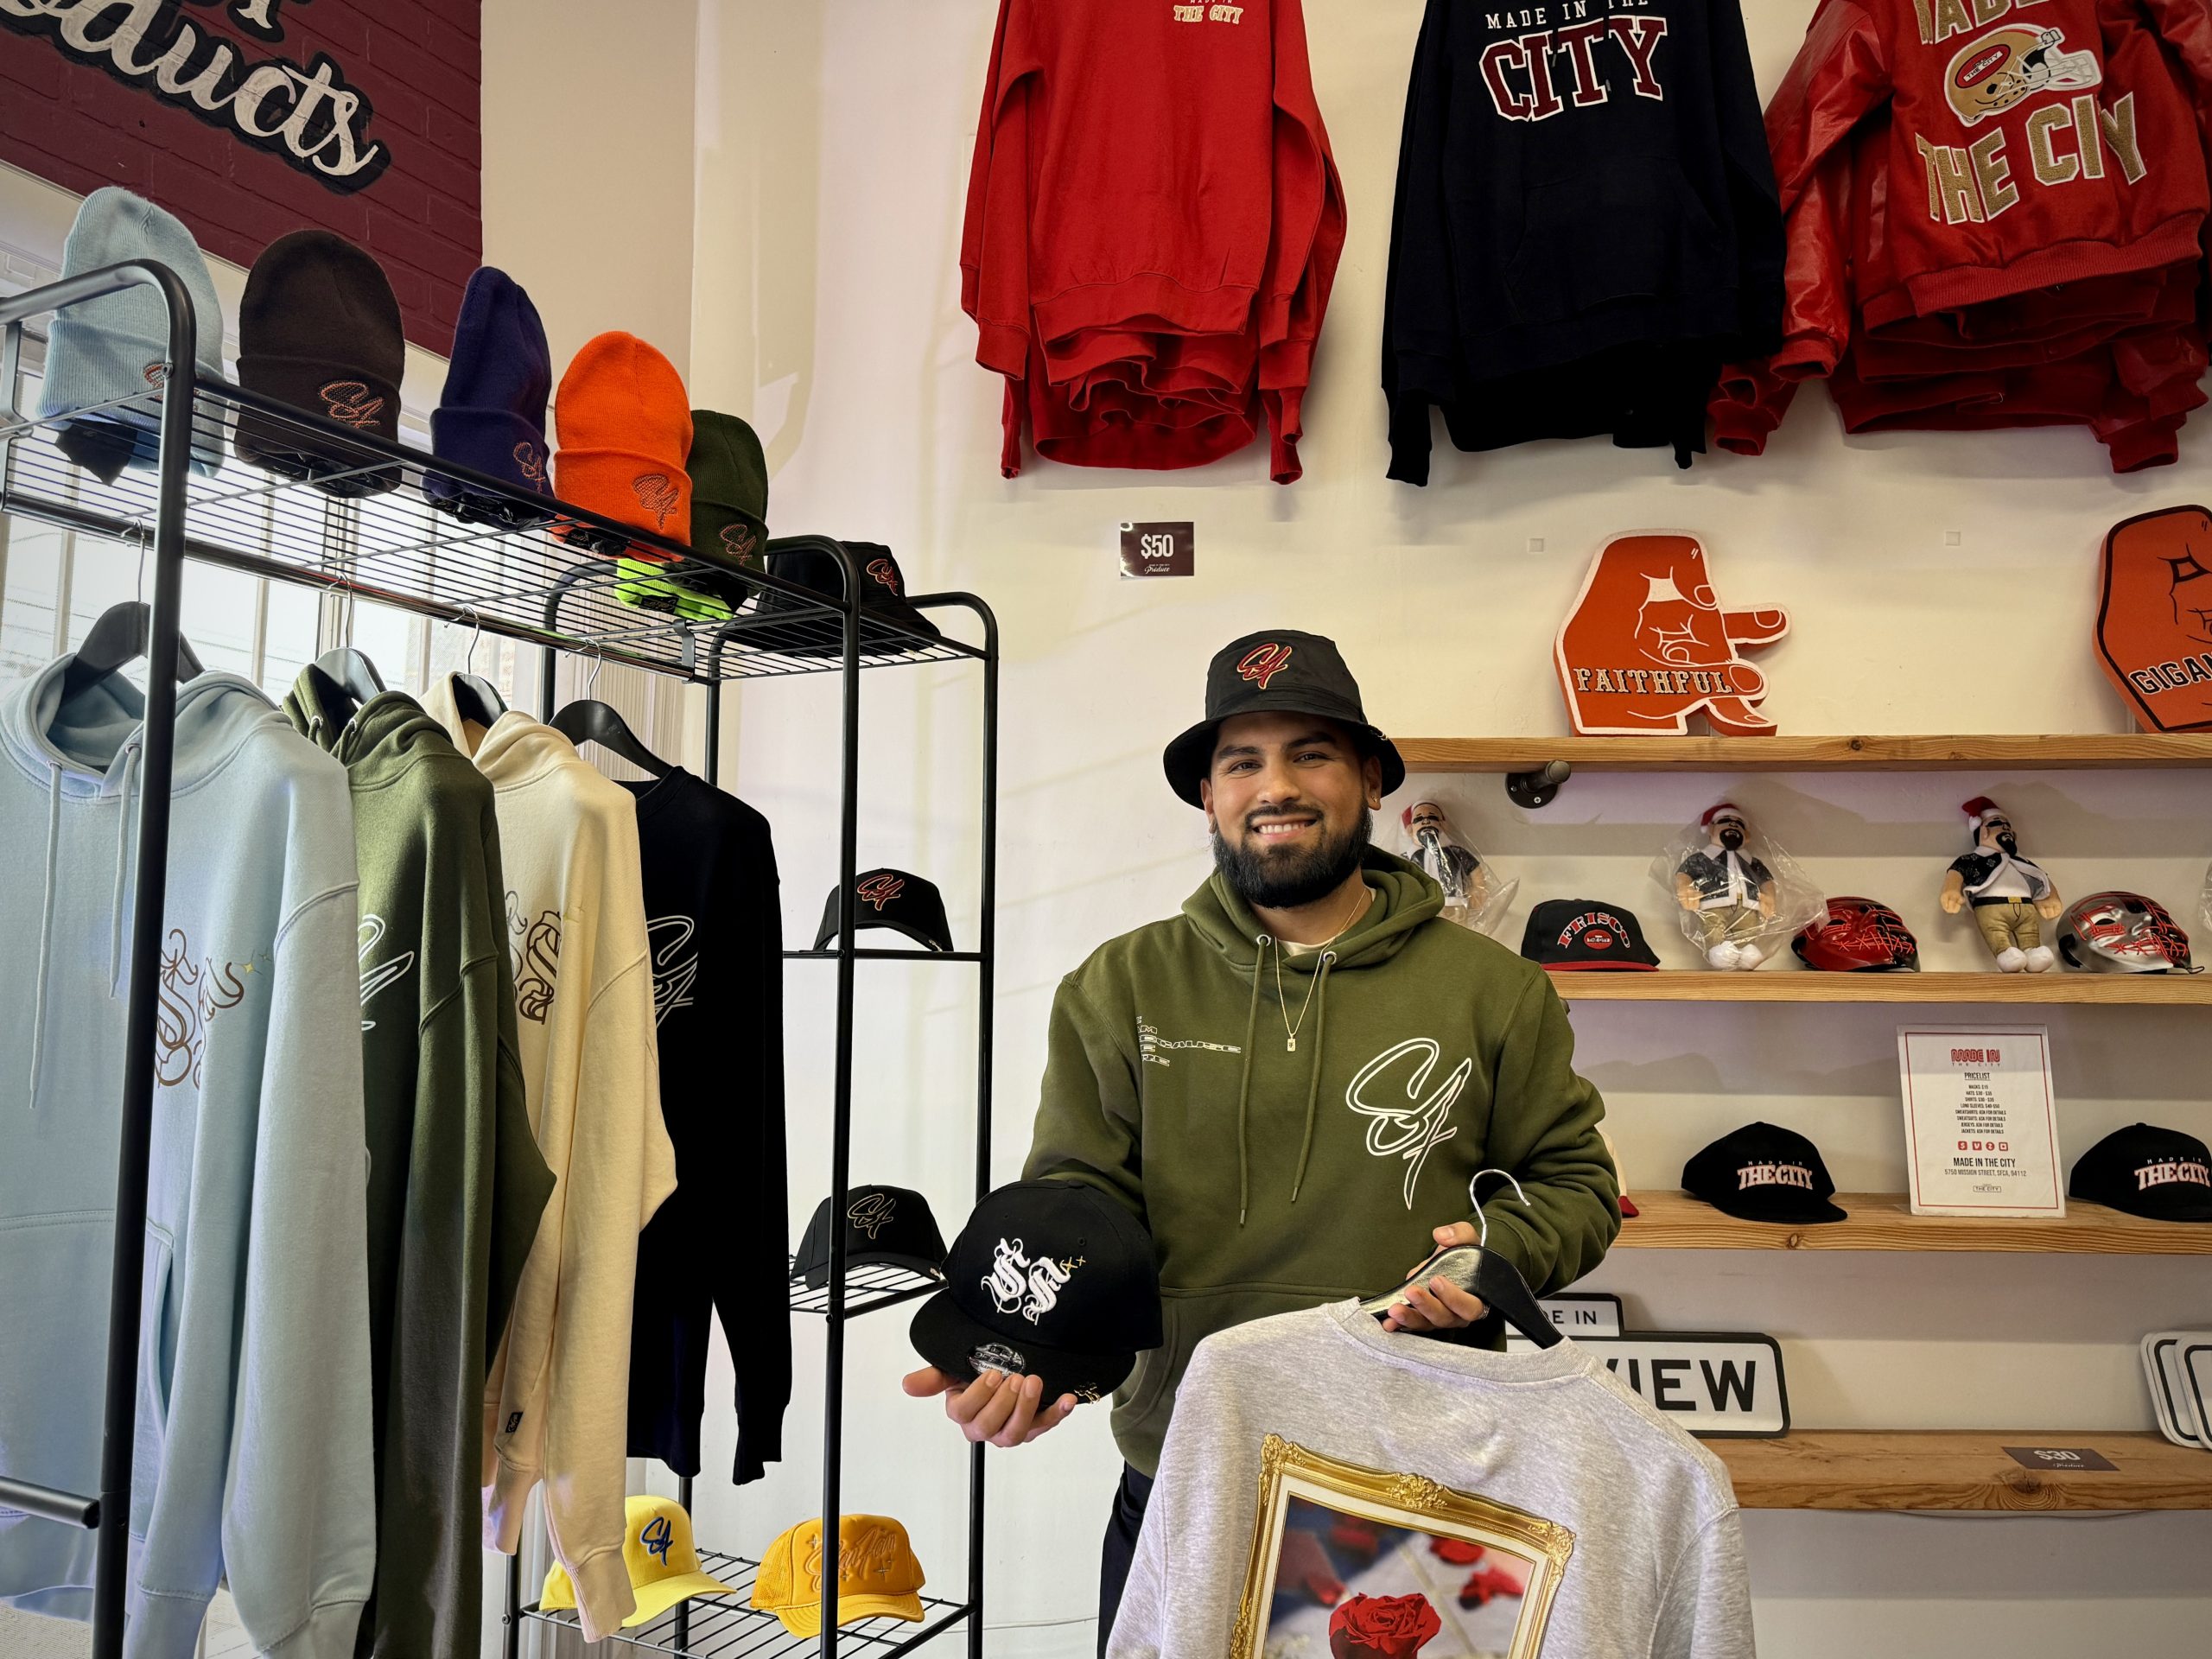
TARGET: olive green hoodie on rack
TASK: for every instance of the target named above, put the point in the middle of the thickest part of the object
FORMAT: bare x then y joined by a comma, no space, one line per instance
456,1182
1277,1173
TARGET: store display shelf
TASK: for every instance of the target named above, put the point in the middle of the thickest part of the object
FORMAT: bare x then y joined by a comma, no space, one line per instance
1790,985
2066,751
725,1627
523,582
867,1289
1883,1221
1962,1469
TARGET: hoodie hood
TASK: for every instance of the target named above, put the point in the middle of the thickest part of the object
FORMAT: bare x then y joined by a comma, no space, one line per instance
1404,899
374,740
513,749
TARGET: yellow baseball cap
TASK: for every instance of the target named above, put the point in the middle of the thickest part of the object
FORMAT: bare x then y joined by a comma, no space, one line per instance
877,1574
664,1563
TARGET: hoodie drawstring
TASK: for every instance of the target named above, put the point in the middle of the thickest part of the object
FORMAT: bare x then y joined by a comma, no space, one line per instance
1314,1078
45,921
1265,943
122,869
1244,1082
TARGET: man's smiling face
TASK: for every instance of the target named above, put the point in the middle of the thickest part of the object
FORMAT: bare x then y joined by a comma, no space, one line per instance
1288,799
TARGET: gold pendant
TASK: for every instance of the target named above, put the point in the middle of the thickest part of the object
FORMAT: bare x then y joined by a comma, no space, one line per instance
1290,1046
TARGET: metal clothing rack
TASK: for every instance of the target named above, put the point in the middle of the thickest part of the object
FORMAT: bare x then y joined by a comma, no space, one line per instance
364,524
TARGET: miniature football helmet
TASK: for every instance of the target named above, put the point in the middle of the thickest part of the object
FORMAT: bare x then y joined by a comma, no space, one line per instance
2122,933
1998,69
1858,935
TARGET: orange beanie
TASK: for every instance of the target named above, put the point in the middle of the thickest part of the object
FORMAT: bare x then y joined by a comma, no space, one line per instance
624,427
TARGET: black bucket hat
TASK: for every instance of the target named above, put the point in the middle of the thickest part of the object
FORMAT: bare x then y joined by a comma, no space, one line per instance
1296,673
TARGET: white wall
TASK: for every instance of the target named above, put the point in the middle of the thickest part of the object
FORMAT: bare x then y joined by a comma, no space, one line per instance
1938,584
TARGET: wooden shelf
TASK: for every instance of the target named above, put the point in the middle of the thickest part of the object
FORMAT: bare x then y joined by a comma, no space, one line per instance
1962,1469
1881,1220
2017,753
1792,984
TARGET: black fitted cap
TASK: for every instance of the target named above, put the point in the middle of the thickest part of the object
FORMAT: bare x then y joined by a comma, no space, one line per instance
893,899
1051,1279
2159,1174
1574,935
1295,673
882,595
885,1226
1764,1173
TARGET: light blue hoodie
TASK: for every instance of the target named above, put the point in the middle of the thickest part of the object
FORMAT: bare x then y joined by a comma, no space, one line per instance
253,1440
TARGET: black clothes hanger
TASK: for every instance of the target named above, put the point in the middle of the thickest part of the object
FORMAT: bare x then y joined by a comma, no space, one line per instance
353,670
1491,1277
121,636
590,721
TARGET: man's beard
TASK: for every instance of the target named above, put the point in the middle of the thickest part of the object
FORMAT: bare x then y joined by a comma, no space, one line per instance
2009,845
1732,840
1286,880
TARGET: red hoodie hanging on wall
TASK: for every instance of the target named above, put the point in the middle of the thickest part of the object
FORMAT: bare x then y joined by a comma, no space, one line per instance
1153,223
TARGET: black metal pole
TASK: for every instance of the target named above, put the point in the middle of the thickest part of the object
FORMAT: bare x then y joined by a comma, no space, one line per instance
513,1620
683,1608
986,977
119,1417
841,1129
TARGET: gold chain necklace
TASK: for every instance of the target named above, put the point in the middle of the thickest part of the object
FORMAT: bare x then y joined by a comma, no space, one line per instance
1282,1003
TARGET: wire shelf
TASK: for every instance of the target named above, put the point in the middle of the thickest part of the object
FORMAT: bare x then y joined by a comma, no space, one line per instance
725,1627
366,522
873,1286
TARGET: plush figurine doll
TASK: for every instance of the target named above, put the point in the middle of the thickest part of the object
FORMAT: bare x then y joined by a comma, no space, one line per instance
2011,897
1443,858
1729,892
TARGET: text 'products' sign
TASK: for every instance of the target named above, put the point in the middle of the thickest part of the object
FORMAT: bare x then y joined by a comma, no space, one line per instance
250,118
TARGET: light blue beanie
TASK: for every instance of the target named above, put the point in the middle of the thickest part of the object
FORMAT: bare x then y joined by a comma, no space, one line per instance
114,347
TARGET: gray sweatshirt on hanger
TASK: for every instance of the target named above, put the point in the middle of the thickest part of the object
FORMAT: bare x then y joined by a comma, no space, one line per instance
1532,1504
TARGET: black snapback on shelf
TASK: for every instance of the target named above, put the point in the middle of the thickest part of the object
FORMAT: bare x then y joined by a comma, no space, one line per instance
894,899
885,1226
1764,1173
1048,1279
882,597
1577,935
2160,1174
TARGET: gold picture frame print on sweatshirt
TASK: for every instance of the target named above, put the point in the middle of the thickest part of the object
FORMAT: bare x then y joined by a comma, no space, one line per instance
1498,1553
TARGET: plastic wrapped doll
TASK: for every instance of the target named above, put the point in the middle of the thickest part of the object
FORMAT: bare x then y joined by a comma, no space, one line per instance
1738,894
1472,895
2011,896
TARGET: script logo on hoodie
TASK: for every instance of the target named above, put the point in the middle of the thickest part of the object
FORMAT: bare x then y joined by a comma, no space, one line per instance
1412,1130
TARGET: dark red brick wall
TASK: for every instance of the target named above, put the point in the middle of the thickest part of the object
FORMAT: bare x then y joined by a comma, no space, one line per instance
419,64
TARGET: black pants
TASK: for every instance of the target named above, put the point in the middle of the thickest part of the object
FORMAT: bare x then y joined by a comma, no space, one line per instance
1121,1548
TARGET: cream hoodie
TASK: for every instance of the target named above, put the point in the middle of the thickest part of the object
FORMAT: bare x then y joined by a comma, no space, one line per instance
556,1405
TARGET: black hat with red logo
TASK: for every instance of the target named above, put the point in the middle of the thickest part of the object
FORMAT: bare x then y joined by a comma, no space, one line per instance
882,599
893,899
1575,935
1284,671
2146,1171
1764,1173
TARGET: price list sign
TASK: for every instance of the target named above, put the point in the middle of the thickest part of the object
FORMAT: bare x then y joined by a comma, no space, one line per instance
1981,1124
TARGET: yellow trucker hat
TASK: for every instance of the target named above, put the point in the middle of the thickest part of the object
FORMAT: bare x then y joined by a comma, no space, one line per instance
664,1563
877,1574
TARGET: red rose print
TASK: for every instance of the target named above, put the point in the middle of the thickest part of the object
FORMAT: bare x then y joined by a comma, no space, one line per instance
1382,1627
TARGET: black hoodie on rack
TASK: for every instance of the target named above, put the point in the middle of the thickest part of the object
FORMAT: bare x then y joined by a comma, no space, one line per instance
718,1245
1587,225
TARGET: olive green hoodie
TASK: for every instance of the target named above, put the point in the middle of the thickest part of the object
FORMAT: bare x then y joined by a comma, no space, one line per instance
456,1182
1276,1175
